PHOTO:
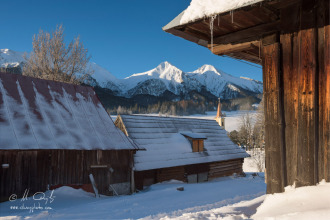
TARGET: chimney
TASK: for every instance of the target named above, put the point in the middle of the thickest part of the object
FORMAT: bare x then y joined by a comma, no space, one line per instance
219,110
219,118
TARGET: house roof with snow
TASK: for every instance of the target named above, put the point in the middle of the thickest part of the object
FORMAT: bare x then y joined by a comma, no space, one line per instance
43,114
166,143
229,27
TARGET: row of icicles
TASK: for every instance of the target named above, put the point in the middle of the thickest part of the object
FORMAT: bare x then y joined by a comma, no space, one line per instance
212,18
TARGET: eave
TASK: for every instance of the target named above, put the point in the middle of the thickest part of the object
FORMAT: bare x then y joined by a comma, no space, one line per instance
237,33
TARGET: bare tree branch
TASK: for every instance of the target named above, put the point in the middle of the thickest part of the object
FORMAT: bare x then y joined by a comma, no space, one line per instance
52,59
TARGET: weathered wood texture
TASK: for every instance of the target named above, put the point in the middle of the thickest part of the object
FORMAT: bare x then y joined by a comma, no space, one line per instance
39,169
274,137
297,76
323,33
214,170
225,168
176,173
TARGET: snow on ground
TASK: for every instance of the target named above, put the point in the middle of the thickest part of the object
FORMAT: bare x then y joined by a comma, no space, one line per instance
251,163
311,202
161,200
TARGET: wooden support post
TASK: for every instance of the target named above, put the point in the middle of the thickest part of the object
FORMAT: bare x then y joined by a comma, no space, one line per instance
274,126
131,165
307,99
290,60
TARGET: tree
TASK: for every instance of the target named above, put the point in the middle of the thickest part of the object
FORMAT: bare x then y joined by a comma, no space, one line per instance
258,153
246,131
259,127
52,59
234,137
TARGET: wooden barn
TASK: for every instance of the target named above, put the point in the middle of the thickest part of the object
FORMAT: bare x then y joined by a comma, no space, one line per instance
186,149
54,134
291,39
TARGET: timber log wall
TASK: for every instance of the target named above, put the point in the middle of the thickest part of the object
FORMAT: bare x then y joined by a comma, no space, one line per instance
297,97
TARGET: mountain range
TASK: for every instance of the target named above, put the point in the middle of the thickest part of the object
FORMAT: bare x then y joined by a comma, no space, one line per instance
165,80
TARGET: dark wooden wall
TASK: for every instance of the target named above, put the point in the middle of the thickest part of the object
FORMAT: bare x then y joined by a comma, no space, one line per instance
214,170
39,169
225,168
296,74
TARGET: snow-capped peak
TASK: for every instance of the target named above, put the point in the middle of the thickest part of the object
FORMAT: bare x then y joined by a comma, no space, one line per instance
10,58
166,66
164,77
207,68
164,71
4,50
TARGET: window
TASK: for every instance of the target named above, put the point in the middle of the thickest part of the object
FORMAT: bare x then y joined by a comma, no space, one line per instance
196,141
198,145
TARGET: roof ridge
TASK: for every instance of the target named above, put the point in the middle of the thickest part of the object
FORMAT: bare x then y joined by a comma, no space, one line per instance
170,117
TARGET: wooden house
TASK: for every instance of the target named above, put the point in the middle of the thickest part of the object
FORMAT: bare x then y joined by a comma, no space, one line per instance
291,39
54,134
186,149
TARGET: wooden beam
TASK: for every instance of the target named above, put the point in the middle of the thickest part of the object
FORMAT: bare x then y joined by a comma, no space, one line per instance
188,37
255,32
246,57
283,4
274,127
224,49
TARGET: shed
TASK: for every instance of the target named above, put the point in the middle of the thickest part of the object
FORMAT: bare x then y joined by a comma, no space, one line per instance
291,39
186,149
54,134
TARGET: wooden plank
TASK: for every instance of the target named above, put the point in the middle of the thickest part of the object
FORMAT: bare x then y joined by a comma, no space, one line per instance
195,145
307,109
275,160
247,57
213,171
283,4
94,185
200,145
187,36
225,166
290,77
307,173
292,14
248,34
325,88
170,173
324,84
225,173
223,49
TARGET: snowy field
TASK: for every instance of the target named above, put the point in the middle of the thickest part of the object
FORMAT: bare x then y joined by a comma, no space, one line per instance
231,198
232,119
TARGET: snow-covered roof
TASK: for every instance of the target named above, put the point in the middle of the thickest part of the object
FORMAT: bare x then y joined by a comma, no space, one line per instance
193,135
43,114
167,147
199,9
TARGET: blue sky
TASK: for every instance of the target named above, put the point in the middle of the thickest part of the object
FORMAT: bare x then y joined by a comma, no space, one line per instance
123,36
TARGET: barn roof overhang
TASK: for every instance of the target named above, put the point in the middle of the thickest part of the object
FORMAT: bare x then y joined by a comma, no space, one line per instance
237,32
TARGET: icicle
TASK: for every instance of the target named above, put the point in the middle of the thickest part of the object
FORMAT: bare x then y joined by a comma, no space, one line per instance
219,20
211,29
232,16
